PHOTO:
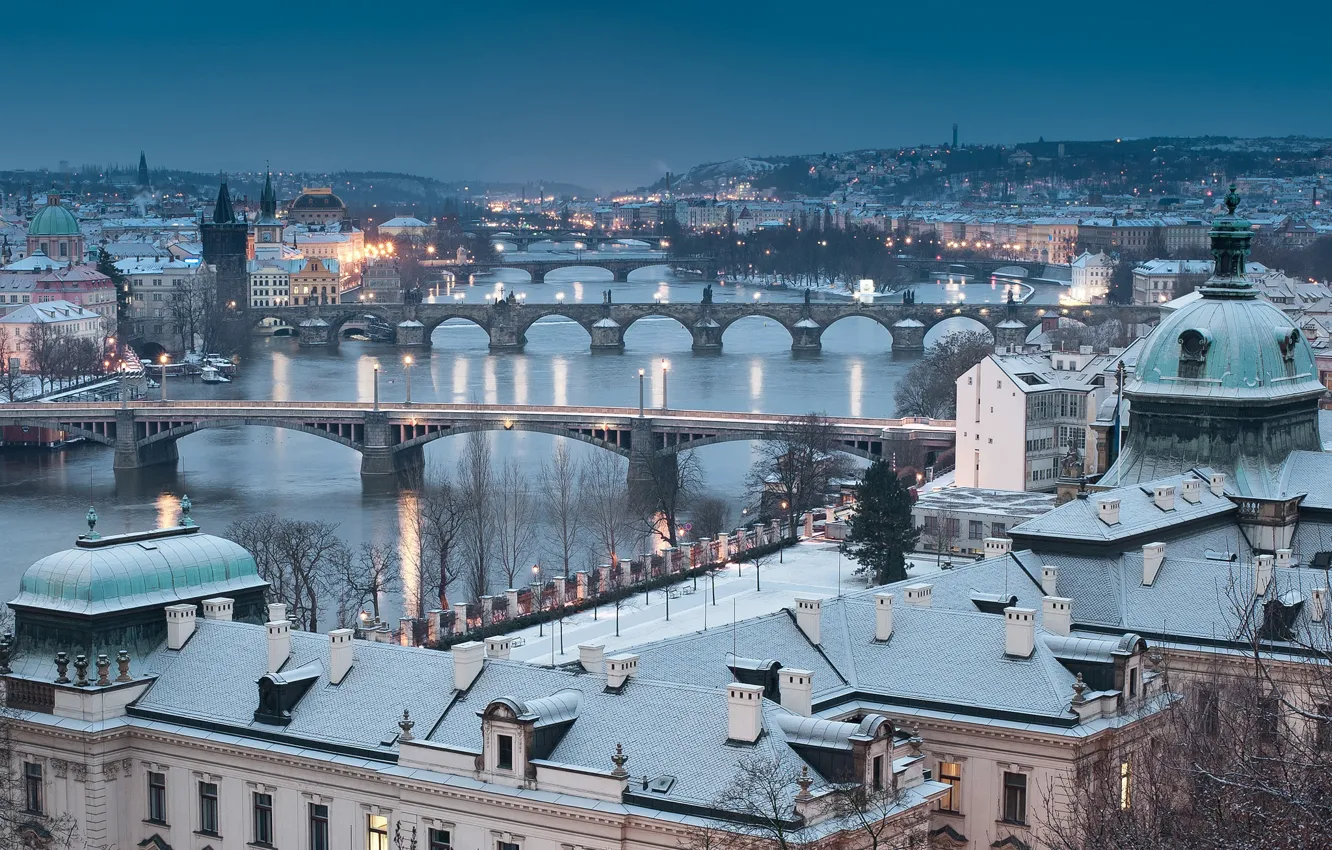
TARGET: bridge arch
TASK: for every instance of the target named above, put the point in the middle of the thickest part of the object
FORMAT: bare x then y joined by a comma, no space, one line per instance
848,322
534,427
173,434
661,313
951,320
69,428
552,314
336,322
574,271
863,449
460,321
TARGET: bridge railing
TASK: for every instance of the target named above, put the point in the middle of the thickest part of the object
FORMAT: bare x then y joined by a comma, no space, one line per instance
63,409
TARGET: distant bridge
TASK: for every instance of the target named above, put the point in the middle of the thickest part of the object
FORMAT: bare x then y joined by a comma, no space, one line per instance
391,436
539,264
507,322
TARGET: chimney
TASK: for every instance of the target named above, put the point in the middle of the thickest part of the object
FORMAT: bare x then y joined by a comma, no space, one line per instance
619,668
218,608
498,647
996,547
1108,511
279,640
1191,490
1050,580
1319,606
1218,483
468,659
1057,615
744,712
1285,559
339,654
1019,632
1152,556
809,610
883,616
797,690
180,624
919,595
592,657
1164,497
277,611
1262,576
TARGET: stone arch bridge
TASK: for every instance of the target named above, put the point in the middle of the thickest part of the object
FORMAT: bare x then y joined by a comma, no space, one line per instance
538,264
507,322
390,437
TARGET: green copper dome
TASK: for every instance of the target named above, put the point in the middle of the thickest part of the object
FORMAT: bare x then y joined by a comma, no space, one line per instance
54,220
130,571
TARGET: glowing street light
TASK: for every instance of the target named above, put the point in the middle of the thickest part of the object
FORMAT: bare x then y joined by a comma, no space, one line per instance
163,360
665,369
407,361
641,373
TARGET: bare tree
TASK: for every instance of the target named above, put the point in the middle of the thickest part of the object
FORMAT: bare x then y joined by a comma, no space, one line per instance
559,493
872,818
709,515
25,822
942,528
796,466
476,483
606,503
42,342
367,577
12,380
515,522
760,800
297,558
670,485
442,516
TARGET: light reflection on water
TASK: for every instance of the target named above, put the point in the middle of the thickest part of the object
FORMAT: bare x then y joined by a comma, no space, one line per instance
235,472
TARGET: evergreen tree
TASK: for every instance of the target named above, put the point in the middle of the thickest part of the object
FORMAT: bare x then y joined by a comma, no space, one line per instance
106,264
881,528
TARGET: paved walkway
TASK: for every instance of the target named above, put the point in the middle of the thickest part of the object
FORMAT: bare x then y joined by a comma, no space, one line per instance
810,568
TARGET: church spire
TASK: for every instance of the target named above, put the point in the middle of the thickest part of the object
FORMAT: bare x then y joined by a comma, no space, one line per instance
268,200
223,213
143,170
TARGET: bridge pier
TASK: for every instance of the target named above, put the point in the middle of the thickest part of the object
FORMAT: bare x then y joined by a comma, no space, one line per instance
131,455
621,274
908,336
378,455
807,335
1010,333
707,336
646,468
506,337
411,332
607,335
313,332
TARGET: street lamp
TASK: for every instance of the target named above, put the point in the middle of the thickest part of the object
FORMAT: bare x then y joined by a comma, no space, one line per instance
781,542
376,403
536,598
665,368
641,373
408,362
163,360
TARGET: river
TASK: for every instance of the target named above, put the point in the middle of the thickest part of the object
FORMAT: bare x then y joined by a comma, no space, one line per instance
230,473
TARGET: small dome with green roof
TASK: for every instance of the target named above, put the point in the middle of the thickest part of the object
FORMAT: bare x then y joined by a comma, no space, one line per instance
53,220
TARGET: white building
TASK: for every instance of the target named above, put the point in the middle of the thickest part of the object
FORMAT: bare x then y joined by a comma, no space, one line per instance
1091,277
1159,281
1019,415
153,283
66,319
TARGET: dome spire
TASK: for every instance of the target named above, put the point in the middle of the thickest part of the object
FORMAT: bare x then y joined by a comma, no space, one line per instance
1231,238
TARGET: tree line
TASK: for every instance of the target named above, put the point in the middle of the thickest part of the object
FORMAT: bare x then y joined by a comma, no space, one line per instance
54,355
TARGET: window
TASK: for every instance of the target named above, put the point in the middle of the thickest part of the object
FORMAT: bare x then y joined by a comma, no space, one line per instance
157,798
1015,797
950,773
506,845
440,839
876,779
32,788
263,818
505,759
376,833
975,529
208,808
1125,777
318,827
998,529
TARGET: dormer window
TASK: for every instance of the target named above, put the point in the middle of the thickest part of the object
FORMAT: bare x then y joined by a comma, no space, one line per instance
504,752
1193,346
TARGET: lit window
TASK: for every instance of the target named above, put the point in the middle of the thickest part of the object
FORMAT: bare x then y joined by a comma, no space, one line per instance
950,773
377,833
1125,776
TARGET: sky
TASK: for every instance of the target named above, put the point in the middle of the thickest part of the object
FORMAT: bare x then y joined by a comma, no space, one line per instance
613,95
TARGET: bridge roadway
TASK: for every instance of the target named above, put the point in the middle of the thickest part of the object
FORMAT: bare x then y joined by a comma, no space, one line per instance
538,265
506,322
391,436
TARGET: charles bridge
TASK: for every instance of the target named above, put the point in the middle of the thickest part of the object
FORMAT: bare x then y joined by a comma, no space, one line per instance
506,321
391,436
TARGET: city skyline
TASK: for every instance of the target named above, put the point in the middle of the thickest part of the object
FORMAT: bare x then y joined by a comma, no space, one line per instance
611,97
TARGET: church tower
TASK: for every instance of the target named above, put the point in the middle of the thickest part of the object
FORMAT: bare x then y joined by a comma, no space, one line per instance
224,246
143,170
268,230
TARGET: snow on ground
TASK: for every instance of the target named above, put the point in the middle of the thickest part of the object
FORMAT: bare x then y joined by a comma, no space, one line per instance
808,569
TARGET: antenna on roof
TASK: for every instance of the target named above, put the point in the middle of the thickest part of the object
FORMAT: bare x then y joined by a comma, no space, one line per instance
733,652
